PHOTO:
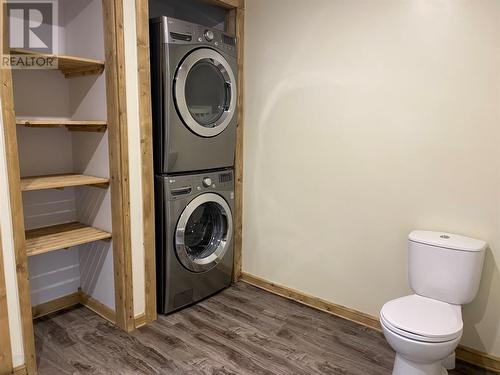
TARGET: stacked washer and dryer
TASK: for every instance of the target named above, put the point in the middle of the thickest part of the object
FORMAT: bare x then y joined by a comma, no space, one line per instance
193,79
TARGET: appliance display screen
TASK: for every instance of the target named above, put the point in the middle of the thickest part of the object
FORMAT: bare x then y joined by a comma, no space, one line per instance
229,40
226,177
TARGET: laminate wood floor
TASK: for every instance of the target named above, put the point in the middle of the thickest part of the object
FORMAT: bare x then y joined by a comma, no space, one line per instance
242,330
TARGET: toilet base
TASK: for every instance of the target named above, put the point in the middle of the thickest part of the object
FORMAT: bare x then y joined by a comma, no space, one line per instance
403,366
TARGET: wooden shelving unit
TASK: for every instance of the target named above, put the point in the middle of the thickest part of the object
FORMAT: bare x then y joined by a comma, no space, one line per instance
100,96
60,181
72,125
62,236
70,66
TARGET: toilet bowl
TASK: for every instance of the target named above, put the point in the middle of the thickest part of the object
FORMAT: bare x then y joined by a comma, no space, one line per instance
423,332
425,328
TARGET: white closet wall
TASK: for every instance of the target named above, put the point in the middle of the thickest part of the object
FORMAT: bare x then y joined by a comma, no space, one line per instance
85,37
9,258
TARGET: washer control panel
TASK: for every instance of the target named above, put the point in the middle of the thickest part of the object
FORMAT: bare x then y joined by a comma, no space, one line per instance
207,182
209,35
188,185
183,32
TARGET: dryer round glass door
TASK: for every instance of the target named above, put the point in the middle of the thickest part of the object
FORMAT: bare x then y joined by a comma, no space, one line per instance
205,92
203,232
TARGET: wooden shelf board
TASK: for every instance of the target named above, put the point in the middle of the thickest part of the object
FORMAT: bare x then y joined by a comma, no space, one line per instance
72,125
70,66
60,181
62,236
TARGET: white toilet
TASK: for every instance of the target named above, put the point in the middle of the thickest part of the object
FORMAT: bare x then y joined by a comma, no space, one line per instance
425,328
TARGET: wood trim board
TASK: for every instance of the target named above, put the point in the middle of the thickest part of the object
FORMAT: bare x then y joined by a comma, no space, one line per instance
238,163
71,300
71,125
58,304
5,346
463,353
19,370
227,4
16,205
140,321
70,66
61,181
314,302
146,134
118,148
235,24
478,358
96,306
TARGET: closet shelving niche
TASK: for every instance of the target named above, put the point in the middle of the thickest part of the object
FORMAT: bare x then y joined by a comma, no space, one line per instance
65,175
66,169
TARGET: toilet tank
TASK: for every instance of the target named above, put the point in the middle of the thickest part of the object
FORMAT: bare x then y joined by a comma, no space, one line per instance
445,266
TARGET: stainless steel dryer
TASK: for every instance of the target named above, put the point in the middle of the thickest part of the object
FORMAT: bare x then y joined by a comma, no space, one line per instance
194,93
194,256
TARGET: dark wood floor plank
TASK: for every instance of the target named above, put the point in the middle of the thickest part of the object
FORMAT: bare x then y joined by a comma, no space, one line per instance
242,330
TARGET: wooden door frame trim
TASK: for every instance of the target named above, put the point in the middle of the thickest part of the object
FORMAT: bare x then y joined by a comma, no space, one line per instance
114,42
6,366
16,204
146,134
235,24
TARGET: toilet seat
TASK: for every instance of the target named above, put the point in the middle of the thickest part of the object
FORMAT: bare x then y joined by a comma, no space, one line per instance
422,319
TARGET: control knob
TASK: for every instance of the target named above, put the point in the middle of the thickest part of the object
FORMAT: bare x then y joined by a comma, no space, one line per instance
209,35
207,182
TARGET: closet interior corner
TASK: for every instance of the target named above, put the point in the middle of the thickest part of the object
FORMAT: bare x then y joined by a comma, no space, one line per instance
64,164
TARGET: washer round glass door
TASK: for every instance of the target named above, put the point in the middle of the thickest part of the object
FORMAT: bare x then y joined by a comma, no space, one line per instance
203,232
205,92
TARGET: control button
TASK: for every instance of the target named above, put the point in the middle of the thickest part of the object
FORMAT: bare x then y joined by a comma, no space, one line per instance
200,39
209,35
207,181
216,43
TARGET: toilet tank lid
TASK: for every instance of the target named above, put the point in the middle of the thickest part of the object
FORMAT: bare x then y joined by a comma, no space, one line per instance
446,240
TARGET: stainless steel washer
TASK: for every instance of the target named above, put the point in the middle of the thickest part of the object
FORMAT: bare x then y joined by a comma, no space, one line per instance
194,93
195,240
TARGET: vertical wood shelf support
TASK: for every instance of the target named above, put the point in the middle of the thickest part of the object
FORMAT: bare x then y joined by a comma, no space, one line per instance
5,347
16,204
235,24
146,132
114,44
238,165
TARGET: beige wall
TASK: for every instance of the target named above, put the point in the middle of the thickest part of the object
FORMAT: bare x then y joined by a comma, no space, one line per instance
365,120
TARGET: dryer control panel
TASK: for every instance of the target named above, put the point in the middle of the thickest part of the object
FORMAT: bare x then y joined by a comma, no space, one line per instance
183,32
